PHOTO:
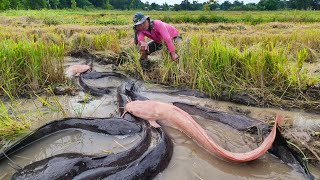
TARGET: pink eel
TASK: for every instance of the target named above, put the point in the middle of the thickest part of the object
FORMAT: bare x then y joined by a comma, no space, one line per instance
173,116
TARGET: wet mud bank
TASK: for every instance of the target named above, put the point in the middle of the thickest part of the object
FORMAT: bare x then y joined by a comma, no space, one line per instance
310,103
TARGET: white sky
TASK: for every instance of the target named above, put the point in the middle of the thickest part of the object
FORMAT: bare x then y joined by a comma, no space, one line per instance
171,2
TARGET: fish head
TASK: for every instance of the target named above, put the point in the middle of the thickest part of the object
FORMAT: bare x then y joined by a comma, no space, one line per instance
142,109
82,68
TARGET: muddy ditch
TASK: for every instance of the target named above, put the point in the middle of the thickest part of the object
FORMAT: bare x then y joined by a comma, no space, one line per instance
304,133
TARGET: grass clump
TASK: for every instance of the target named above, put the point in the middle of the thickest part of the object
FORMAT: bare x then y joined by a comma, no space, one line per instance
211,65
12,124
98,42
27,65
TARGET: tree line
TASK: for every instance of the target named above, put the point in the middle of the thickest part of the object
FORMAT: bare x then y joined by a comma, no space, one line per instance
139,5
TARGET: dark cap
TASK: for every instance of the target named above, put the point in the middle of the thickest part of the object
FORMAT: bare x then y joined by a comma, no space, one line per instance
139,18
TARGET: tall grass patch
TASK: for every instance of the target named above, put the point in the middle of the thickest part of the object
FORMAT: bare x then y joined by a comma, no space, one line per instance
27,65
109,41
211,65
12,124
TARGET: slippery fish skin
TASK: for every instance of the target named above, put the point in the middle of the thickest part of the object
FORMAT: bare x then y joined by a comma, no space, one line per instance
76,70
68,165
153,110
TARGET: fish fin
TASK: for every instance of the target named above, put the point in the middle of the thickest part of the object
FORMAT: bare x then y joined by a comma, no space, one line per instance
154,124
77,74
280,119
123,114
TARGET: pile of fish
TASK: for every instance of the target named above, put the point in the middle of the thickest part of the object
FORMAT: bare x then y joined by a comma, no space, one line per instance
153,152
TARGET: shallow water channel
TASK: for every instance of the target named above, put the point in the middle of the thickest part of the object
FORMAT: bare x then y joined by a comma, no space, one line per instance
189,161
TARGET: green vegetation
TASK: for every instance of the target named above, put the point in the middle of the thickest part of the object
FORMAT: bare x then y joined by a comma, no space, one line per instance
242,17
221,66
27,65
12,124
32,56
112,17
209,5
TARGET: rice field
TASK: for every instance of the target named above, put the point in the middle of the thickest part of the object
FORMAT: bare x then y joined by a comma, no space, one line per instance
273,56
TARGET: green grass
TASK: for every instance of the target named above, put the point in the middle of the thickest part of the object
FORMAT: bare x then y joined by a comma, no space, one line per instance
230,55
12,124
113,17
27,65
211,65
98,42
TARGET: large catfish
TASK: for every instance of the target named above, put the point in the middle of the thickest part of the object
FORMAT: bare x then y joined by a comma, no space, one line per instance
173,116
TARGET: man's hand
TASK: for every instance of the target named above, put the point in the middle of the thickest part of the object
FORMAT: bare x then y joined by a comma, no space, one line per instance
174,56
143,46
144,49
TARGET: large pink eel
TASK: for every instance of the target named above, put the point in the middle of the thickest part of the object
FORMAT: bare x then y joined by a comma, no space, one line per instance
173,116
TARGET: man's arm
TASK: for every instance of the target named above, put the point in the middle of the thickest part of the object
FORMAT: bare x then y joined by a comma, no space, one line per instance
143,45
166,36
167,39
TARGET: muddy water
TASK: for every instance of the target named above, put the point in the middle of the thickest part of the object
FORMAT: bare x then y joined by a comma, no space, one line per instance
72,140
113,82
189,161
300,120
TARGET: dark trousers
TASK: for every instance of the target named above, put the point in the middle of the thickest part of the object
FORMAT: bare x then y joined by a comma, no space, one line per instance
154,46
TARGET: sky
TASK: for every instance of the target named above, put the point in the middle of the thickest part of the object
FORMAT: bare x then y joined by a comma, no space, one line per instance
171,2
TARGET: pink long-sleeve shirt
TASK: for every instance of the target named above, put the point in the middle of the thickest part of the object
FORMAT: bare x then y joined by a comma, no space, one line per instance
161,32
